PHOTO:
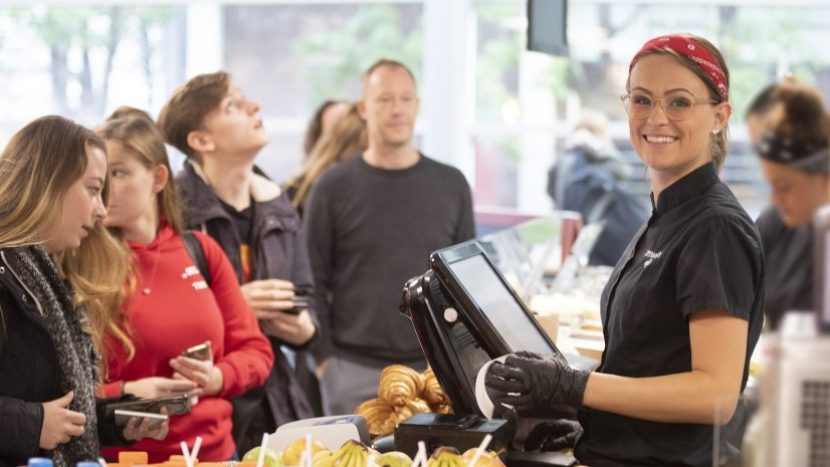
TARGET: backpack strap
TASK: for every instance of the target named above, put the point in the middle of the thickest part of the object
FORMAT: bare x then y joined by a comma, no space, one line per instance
197,254
2,330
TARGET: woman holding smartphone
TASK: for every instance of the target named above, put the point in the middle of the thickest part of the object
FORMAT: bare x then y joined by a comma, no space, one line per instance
173,307
62,276
682,310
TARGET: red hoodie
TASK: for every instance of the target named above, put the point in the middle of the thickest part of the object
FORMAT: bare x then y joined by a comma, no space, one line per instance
180,312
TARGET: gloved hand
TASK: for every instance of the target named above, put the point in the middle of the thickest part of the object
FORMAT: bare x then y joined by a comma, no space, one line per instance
553,436
527,381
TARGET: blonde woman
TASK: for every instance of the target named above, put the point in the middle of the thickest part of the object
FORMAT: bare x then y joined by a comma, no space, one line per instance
175,307
62,277
345,140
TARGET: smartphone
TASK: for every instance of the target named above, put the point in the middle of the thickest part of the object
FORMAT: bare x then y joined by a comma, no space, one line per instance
176,405
298,304
124,416
201,351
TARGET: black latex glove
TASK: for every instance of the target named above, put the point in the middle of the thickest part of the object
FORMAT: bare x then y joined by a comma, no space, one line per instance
553,436
527,381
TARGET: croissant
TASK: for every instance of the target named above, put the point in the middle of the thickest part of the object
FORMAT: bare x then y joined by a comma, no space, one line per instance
433,393
388,426
442,409
377,413
399,383
410,408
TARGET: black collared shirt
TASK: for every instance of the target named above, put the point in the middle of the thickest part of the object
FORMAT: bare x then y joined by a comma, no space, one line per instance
698,251
788,255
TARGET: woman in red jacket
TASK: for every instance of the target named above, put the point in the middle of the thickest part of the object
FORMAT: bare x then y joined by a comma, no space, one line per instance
173,307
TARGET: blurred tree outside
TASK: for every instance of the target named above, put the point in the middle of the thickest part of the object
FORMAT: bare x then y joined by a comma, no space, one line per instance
342,54
72,32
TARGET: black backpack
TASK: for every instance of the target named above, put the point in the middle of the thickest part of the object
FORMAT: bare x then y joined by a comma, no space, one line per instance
197,254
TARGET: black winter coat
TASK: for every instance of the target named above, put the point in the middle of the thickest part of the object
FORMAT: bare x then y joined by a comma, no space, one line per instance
29,371
278,251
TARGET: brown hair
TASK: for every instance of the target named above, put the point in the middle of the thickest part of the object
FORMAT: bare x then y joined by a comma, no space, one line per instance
186,109
719,139
799,115
142,140
127,111
385,62
315,127
346,139
38,166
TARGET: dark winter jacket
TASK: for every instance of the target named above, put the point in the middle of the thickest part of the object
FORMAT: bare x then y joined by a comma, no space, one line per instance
29,370
278,250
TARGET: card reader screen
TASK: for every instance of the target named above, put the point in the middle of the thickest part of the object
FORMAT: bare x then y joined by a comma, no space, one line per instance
496,302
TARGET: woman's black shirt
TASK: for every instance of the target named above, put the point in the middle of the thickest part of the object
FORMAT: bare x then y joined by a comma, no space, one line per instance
698,251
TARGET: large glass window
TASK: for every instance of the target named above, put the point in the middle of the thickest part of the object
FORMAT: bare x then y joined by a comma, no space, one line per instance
511,109
291,58
530,100
81,62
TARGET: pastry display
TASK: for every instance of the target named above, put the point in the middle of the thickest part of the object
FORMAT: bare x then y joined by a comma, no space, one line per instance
399,383
402,393
433,394
378,413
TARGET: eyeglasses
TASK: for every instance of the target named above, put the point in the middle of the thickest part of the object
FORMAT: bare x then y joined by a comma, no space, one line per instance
676,107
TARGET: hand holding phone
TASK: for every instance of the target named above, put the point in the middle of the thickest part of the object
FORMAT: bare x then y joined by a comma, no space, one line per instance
124,416
203,352
268,296
174,405
155,387
202,372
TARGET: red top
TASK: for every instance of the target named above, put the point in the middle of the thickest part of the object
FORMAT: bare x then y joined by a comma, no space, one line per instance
179,312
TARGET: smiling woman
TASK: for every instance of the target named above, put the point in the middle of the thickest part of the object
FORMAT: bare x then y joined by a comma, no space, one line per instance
682,309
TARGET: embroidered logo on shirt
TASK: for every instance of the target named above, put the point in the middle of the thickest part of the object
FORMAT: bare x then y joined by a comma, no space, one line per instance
191,271
651,257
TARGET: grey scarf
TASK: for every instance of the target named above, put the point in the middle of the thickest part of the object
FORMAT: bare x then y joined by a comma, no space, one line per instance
75,351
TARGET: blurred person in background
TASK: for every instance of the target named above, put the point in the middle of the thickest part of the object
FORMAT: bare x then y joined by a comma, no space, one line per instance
346,139
758,109
794,148
587,178
372,222
321,122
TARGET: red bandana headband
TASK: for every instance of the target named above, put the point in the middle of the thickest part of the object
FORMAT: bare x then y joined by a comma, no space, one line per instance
692,50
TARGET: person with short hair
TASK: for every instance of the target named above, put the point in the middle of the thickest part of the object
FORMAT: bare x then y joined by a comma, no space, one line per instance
225,195
372,222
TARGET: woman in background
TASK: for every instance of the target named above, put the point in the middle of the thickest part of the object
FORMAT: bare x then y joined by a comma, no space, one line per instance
346,139
321,122
795,159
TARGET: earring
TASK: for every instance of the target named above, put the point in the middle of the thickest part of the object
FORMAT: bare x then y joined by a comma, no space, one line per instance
716,131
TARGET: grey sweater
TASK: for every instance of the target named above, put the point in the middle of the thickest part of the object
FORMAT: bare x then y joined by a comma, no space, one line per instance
369,231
